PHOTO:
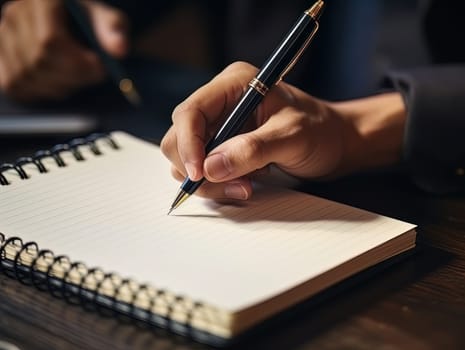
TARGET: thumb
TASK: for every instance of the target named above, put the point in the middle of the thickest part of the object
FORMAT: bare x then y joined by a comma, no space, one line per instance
241,155
286,139
111,27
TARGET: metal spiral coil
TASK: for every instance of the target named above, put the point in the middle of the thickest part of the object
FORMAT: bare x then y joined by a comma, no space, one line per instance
92,288
55,153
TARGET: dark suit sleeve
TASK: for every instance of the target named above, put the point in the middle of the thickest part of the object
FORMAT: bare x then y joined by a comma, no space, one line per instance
434,143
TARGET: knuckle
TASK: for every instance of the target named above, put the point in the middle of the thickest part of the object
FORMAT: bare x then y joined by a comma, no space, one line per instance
164,145
238,73
167,143
240,66
180,109
177,174
301,124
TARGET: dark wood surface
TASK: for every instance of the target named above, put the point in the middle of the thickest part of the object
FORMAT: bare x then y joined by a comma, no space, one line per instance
417,303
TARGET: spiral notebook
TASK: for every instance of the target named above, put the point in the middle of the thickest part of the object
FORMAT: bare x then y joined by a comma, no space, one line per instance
87,221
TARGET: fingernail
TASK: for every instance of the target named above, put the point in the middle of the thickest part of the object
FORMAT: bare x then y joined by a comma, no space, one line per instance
191,171
235,191
217,166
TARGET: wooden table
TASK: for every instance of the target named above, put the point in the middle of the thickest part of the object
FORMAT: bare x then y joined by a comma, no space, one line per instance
418,303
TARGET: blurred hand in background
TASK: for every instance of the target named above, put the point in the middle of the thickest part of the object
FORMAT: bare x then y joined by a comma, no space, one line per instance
40,58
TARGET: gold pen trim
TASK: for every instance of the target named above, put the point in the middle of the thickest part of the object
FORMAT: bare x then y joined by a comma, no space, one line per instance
314,12
299,53
258,86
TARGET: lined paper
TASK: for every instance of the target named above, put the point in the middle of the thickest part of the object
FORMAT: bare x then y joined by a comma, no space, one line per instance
110,211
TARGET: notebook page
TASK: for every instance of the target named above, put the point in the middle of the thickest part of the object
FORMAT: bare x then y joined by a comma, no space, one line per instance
111,211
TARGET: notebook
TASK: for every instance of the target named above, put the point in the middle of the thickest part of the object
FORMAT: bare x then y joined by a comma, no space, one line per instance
88,221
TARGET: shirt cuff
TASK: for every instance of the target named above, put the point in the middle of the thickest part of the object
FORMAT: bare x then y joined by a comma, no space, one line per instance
434,139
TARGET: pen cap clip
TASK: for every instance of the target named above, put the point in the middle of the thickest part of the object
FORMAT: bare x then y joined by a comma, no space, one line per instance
299,53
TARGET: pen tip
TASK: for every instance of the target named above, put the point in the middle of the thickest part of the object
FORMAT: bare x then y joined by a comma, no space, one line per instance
180,198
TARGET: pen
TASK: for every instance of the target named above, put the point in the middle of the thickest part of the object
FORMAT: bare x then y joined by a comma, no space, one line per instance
272,72
116,71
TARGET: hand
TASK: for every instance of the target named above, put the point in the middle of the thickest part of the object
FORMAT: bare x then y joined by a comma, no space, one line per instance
303,136
39,58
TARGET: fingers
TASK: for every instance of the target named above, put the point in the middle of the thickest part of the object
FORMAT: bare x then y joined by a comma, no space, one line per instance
304,143
236,157
280,140
284,136
197,118
38,56
240,188
111,27
191,130
290,129
81,66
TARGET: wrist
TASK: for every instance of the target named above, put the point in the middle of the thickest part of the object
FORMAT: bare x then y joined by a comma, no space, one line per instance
373,132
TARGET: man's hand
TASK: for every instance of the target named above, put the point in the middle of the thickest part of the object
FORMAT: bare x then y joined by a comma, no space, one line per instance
290,129
305,137
40,59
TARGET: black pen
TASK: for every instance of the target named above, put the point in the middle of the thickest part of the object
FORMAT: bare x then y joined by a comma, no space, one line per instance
271,73
116,71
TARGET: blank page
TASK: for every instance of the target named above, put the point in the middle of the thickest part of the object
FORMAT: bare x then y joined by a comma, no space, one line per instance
110,211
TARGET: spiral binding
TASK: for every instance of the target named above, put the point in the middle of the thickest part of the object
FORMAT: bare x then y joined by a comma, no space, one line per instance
55,153
92,288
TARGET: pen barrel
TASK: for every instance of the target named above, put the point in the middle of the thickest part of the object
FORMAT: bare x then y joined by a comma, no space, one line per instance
236,119
189,186
231,127
81,20
271,72
290,47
